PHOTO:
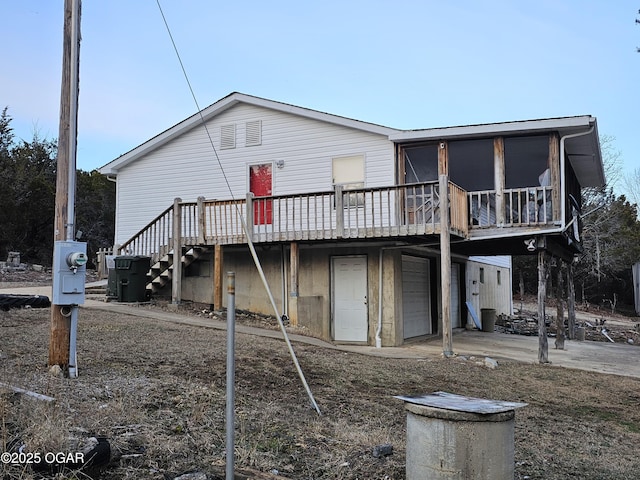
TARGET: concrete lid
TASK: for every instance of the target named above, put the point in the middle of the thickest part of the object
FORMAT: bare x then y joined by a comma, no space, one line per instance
459,403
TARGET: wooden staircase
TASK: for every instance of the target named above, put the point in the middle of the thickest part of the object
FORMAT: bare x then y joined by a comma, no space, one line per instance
161,272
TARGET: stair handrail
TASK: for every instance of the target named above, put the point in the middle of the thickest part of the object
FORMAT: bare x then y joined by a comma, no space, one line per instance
125,247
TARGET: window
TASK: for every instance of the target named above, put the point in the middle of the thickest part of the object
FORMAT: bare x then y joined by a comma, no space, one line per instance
253,133
498,277
471,164
421,164
228,136
348,172
525,160
481,275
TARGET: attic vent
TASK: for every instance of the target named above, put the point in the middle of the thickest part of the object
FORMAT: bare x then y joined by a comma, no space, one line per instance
228,136
254,133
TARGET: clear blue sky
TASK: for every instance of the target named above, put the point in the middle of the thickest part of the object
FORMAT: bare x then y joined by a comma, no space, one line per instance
400,63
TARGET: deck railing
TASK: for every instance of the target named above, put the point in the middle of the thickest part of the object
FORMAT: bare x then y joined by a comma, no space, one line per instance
396,211
522,207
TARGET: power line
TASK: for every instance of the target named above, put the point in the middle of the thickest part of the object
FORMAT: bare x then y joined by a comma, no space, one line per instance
252,249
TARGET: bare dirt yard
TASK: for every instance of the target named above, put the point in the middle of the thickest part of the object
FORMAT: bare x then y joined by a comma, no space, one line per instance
156,392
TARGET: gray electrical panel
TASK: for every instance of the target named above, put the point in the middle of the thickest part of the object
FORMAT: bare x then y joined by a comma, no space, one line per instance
69,272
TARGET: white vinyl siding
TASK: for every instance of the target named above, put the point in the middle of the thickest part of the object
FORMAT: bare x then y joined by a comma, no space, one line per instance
187,166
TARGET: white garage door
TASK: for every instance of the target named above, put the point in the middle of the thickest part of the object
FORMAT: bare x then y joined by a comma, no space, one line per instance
416,303
455,296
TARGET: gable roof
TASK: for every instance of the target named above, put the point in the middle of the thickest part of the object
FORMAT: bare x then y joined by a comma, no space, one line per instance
226,103
582,142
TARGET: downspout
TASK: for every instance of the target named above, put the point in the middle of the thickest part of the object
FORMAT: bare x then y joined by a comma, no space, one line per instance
562,172
380,290
285,293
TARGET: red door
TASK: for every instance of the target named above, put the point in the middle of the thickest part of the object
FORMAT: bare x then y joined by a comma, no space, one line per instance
260,184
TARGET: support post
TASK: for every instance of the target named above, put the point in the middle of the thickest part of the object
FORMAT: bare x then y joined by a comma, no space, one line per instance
294,258
339,200
560,308
498,163
445,267
176,275
60,327
554,167
571,303
218,262
543,346
248,225
231,372
201,220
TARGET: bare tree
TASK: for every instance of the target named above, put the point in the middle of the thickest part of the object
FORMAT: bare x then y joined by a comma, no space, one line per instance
631,184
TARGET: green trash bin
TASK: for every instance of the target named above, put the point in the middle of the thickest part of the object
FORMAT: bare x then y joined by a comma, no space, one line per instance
131,278
488,319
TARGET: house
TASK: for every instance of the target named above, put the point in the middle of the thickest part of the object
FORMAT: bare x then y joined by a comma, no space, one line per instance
347,217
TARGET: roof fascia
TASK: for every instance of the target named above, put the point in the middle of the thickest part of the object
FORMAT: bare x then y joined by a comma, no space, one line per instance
471,131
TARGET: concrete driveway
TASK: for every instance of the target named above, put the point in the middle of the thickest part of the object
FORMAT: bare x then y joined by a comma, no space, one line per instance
612,358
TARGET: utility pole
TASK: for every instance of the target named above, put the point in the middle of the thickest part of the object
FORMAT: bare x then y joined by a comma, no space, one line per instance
64,228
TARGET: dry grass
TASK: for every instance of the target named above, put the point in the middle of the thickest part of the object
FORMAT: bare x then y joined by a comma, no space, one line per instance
157,391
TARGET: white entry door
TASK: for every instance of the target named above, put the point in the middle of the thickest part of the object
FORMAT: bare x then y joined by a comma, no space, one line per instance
350,319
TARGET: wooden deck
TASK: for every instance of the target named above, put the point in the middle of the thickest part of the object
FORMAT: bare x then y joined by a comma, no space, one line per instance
398,211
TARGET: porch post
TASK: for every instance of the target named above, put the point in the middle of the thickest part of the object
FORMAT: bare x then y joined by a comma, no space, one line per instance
176,274
201,220
339,199
249,216
560,308
499,179
543,346
554,167
217,276
571,302
294,257
445,267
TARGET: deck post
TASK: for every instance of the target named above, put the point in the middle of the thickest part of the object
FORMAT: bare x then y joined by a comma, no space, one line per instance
543,346
294,257
201,220
560,307
249,216
176,274
218,263
498,163
445,267
571,303
554,167
339,200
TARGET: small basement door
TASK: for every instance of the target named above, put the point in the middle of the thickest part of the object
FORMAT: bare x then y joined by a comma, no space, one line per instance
349,298
416,297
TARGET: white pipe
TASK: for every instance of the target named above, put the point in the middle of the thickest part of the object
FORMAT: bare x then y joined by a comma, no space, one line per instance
285,293
562,174
73,356
379,330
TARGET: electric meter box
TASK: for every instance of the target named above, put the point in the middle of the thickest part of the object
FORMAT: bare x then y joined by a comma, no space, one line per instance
69,272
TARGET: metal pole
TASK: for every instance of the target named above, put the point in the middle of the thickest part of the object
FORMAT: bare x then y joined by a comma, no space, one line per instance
231,370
